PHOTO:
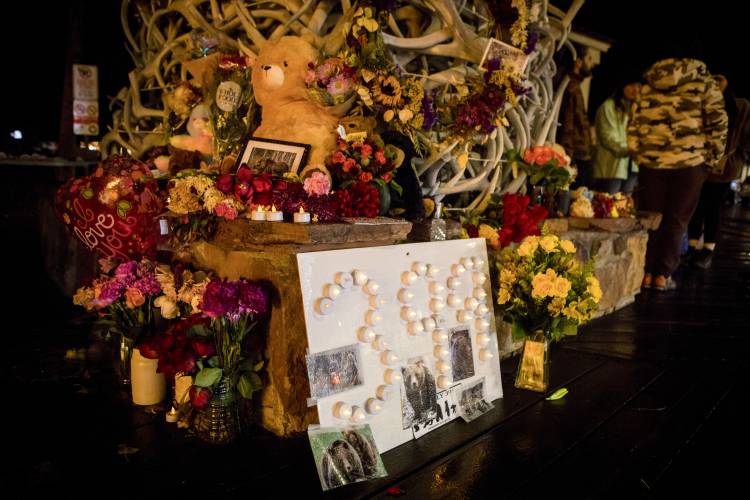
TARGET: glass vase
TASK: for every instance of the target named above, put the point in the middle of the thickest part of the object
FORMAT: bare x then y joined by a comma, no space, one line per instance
533,367
219,422
127,345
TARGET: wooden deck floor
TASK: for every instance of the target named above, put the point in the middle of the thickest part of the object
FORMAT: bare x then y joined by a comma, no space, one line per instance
654,409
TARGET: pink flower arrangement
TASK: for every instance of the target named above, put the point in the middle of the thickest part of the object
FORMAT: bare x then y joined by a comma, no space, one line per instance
318,184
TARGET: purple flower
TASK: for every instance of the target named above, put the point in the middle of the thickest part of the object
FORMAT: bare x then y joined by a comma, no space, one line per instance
428,110
253,298
220,298
531,40
112,291
148,285
126,273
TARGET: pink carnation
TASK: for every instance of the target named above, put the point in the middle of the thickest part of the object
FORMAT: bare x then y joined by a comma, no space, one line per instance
366,150
318,184
338,157
226,211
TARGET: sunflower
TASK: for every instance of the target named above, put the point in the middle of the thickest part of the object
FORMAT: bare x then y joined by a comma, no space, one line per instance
387,91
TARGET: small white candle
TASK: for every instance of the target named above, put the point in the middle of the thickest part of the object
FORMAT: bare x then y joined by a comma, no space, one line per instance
344,280
454,300
441,352
373,406
377,302
358,415
373,317
482,309
467,262
432,271
482,325
440,336
258,214
383,392
485,355
302,217
479,293
415,327
379,343
437,305
360,277
420,268
372,287
483,340
457,269
443,382
342,410
405,295
453,283
171,416
464,316
436,288
408,314
274,216
388,358
324,305
428,324
408,278
392,376
471,303
443,367
333,291
479,278
366,334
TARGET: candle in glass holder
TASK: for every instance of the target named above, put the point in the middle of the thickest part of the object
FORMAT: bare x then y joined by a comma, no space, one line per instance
171,416
273,215
302,217
258,214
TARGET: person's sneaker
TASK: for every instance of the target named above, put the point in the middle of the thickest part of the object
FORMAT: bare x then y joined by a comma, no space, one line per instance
664,283
647,280
702,259
688,256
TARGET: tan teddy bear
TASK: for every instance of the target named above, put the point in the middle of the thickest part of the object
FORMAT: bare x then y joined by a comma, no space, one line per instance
288,113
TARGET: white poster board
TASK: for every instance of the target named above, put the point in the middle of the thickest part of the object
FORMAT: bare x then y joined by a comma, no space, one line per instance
390,329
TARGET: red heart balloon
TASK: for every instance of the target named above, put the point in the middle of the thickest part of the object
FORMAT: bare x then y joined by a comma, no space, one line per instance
114,210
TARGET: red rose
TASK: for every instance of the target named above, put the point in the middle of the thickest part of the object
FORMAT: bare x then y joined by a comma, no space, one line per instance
204,348
343,146
506,236
349,164
243,190
199,397
149,348
262,183
244,174
365,177
366,150
225,184
338,157
380,156
182,361
387,177
472,231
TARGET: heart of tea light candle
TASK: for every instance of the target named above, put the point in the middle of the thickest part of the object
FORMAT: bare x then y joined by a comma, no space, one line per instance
302,217
274,216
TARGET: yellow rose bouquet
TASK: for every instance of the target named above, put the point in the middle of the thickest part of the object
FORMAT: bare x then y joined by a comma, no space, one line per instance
544,289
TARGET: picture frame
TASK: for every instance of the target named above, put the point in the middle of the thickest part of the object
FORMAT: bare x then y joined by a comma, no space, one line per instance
273,156
507,53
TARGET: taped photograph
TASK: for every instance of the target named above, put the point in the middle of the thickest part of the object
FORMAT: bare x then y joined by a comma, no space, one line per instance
473,401
345,455
462,356
418,394
334,371
506,54
445,411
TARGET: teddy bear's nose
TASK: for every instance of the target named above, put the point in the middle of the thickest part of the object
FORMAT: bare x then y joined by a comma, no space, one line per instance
266,67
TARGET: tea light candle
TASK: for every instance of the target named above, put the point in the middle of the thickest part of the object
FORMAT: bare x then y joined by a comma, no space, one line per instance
420,268
483,340
457,269
428,324
358,415
441,352
443,367
405,295
415,328
324,305
485,355
482,325
383,392
365,334
344,280
408,278
258,214
479,278
467,262
171,416
440,321
479,293
342,410
302,217
408,314
360,277
478,262
471,303
464,316
372,287
373,406
453,283
373,317
332,291
482,310
432,271
440,336
380,343
392,376
443,382
437,305
388,358
436,288
454,300
274,216
377,302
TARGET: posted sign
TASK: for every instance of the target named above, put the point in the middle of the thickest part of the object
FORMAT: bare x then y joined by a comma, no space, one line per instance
85,100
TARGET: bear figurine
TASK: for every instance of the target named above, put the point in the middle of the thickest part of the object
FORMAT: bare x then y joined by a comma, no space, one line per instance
288,113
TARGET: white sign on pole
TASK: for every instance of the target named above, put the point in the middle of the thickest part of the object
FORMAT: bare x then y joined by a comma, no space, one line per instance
85,117
85,83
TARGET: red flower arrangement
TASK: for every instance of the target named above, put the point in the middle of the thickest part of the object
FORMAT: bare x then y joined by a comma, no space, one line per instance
518,220
363,161
360,199
181,346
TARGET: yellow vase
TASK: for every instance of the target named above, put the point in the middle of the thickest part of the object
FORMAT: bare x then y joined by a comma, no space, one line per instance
533,367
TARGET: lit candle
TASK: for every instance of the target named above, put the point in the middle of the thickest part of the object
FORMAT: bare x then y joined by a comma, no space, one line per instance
471,303
258,214
171,416
302,217
464,316
483,340
441,352
383,392
373,406
358,415
440,336
415,327
485,355
366,334
342,410
443,382
274,216
392,376
443,367
428,324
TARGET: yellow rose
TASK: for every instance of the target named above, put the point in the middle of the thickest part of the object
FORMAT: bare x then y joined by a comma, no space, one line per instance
490,234
571,312
594,289
168,308
549,243
528,246
542,285
567,246
561,287
503,296
556,306
507,277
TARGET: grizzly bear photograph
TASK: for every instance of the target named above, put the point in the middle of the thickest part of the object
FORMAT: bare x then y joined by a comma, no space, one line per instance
419,397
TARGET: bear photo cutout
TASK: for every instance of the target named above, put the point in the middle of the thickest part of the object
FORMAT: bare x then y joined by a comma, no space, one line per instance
414,310
288,113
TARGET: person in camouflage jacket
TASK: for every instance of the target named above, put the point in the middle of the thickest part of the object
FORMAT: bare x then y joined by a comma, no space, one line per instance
677,135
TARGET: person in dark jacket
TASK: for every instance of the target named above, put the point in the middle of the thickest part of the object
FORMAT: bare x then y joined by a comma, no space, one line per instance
677,135
705,220
574,133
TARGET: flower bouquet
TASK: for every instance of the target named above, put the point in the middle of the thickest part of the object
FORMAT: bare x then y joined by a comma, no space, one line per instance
332,82
518,220
548,169
546,294
125,302
234,309
363,170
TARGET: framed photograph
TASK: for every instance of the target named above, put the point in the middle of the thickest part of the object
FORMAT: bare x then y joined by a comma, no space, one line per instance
345,455
473,401
334,371
507,54
462,357
272,156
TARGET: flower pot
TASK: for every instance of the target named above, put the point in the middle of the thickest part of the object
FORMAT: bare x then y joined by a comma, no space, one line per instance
219,422
533,367
147,386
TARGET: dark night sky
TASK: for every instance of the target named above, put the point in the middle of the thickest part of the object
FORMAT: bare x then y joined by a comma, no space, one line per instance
643,31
